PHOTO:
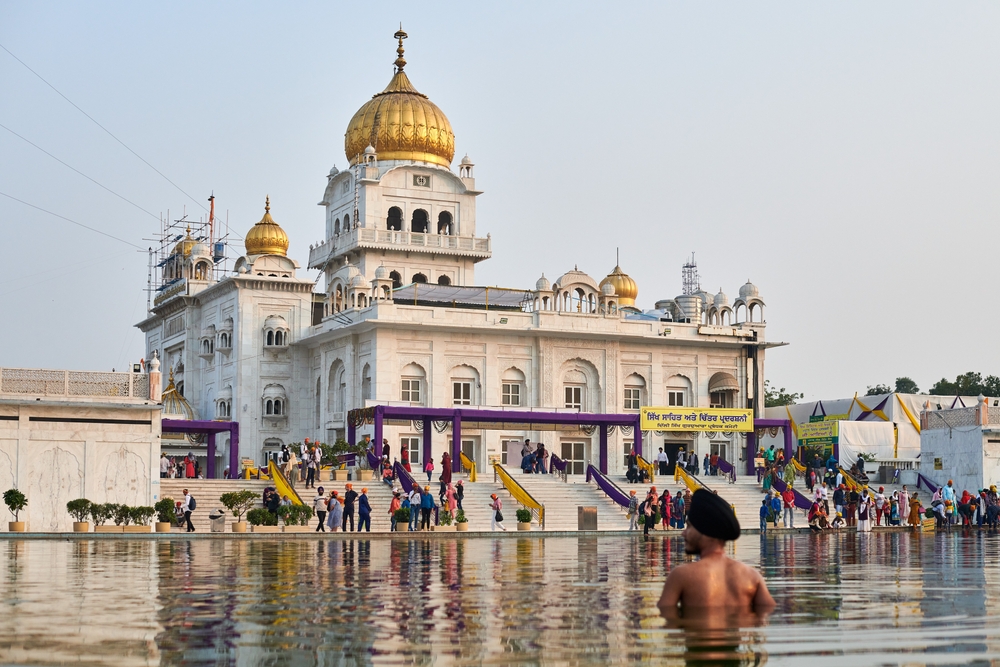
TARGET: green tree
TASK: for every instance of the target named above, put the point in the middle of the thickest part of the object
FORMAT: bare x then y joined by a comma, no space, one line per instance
905,385
968,384
774,398
878,389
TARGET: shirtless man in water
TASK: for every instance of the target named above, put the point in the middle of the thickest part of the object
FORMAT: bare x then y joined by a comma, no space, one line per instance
715,582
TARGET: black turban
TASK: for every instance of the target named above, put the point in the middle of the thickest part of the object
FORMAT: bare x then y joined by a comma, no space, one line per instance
712,516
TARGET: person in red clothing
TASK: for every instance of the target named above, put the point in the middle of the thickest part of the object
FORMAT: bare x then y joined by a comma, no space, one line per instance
788,501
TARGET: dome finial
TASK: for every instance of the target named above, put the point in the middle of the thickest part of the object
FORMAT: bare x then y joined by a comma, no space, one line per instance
267,204
400,61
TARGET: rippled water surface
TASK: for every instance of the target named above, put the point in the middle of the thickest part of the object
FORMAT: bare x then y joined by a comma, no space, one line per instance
842,600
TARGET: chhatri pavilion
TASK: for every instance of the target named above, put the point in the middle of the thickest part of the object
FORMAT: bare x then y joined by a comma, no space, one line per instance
401,319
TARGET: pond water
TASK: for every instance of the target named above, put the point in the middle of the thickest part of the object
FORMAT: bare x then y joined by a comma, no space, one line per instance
889,598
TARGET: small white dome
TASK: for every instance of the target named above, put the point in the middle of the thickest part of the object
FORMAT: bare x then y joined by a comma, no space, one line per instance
721,299
749,290
607,289
543,284
275,322
705,297
381,273
466,160
359,281
200,250
334,171
370,150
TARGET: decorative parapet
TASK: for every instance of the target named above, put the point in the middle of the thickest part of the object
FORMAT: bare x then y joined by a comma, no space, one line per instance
22,382
387,239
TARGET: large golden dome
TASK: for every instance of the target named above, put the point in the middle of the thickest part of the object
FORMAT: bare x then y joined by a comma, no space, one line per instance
625,287
266,237
401,124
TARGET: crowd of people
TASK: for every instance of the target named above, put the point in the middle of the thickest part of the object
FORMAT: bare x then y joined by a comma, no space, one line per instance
664,509
188,467
534,458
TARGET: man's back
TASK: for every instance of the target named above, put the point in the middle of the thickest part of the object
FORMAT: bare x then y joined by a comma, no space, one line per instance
715,581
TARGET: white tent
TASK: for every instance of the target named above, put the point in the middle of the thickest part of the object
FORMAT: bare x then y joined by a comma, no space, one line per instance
900,410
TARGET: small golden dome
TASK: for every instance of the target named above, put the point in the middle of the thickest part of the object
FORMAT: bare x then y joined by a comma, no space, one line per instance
625,287
401,123
185,245
267,237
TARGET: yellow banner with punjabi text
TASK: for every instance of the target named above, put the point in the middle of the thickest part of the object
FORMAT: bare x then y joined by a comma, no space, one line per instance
696,419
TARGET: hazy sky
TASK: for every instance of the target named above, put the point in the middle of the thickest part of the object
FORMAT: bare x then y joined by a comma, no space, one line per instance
842,156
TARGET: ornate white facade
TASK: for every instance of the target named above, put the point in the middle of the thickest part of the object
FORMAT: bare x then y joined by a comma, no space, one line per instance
400,318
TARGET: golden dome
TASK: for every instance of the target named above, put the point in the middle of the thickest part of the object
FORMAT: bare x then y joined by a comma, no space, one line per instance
625,287
185,245
267,237
401,123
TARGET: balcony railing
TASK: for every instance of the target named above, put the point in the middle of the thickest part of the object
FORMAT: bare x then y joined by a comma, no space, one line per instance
388,239
42,382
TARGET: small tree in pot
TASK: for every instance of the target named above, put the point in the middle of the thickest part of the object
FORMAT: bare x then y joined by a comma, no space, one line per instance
261,518
141,517
15,502
402,517
79,509
165,515
523,519
100,513
121,514
461,521
239,503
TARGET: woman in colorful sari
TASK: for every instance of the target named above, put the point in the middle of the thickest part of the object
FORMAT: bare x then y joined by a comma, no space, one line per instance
768,479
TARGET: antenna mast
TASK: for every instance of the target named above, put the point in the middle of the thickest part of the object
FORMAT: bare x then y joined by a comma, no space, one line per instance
690,282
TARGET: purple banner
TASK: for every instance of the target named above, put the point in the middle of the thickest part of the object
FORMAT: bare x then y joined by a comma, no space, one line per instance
556,463
801,501
606,485
926,483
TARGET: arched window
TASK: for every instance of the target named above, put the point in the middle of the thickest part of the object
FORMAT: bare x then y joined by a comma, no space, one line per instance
275,403
336,387
270,338
336,227
411,384
347,223
394,221
464,385
512,387
397,280
444,280
679,391
419,278
277,338
418,223
444,223
634,389
366,383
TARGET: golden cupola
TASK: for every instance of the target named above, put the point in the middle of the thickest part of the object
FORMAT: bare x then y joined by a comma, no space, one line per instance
266,237
401,123
625,287
185,245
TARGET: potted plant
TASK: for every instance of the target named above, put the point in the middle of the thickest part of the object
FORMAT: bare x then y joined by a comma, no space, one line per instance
164,514
100,513
295,517
79,509
239,502
402,517
445,522
461,521
15,502
140,517
121,515
523,519
263,521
